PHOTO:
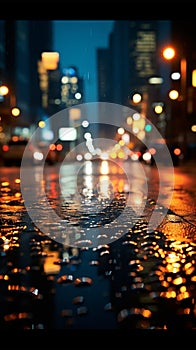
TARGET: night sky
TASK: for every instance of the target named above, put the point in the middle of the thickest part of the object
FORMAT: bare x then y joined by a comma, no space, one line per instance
77,41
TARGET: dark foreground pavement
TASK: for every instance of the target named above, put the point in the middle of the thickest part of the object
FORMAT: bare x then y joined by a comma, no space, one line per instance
139,291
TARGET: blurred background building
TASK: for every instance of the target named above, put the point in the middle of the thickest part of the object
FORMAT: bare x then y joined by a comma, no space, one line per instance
131,72
31,72
133,66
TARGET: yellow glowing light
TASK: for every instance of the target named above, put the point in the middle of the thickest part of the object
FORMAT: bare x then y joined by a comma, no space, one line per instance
183,288
15,112
117,146
171,294
6,246
165,284
188,265
137,98
169,53
5,183
74,114
193,128
17,181
73,80
113,155
50,60
121,154
182,296
49,266
121,186
4,90
194,78
190,270
173,94
121,142
41,124
155,80
158,109
179,280
146,313
129,120
114,171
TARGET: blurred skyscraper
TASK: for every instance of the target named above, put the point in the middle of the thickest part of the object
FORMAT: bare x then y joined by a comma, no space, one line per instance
133,64
37,89
21,45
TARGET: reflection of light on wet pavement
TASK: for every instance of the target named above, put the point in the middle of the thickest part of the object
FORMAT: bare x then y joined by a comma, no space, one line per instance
104,168
138,280
49,266
88,169
105,188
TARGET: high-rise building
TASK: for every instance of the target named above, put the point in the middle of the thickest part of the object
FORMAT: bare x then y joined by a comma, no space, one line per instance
22,42
104,75
50,82
72,91
132,65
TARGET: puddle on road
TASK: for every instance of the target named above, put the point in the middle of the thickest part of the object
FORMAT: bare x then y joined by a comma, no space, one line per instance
141,279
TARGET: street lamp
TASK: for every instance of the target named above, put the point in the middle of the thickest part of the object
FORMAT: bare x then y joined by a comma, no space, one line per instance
8,110
169,53
4,90
15,112
12,108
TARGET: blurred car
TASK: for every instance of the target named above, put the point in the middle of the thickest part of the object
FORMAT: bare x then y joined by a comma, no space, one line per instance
158,148
176,153
50,152
12,151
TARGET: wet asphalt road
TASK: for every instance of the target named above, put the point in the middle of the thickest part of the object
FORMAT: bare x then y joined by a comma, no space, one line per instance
136,281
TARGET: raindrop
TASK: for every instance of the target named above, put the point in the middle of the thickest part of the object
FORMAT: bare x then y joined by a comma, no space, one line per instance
108,307
78,300
83,281
66,313
82,310
65,279
94,263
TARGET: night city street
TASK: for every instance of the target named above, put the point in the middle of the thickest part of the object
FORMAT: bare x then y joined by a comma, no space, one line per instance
97,182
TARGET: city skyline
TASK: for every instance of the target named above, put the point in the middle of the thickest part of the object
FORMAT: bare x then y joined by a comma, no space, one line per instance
77,42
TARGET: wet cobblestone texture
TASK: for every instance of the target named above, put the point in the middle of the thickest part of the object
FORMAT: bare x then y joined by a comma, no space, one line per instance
142,281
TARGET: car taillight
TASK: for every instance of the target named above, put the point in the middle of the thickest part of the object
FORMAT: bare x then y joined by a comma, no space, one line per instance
5,148
52,147
59,147
177,151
